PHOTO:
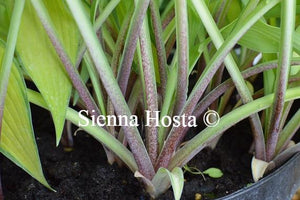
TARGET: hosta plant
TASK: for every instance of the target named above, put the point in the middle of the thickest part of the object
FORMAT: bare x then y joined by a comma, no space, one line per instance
157,66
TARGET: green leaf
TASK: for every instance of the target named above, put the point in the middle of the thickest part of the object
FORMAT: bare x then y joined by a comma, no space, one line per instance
261,37
276,11
84,74
168,31
234,10
295,70
88,63
94,9
195,36
41,61
264,38
4,22
213,172
269,75
17,138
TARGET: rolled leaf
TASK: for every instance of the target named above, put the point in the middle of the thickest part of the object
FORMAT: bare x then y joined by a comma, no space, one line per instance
163,177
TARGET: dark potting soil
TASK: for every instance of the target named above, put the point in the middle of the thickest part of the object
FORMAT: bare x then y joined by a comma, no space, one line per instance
84,174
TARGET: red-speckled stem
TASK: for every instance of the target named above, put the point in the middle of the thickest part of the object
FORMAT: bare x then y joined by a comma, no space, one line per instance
160,47
130,44
150,90
183,54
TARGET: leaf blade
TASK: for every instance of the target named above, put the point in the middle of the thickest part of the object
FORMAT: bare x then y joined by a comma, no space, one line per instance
40,59
17,137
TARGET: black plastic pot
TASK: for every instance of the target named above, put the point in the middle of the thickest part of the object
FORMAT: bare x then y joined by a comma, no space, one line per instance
279,185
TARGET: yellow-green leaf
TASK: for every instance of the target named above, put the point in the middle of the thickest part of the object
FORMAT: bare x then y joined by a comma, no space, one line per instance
17,138
213,172
41,61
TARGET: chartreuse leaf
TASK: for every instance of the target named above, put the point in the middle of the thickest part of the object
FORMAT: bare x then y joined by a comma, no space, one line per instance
8,56
17,139
213,172
41,61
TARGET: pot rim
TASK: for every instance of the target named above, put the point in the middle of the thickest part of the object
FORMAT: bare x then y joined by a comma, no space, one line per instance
266,179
